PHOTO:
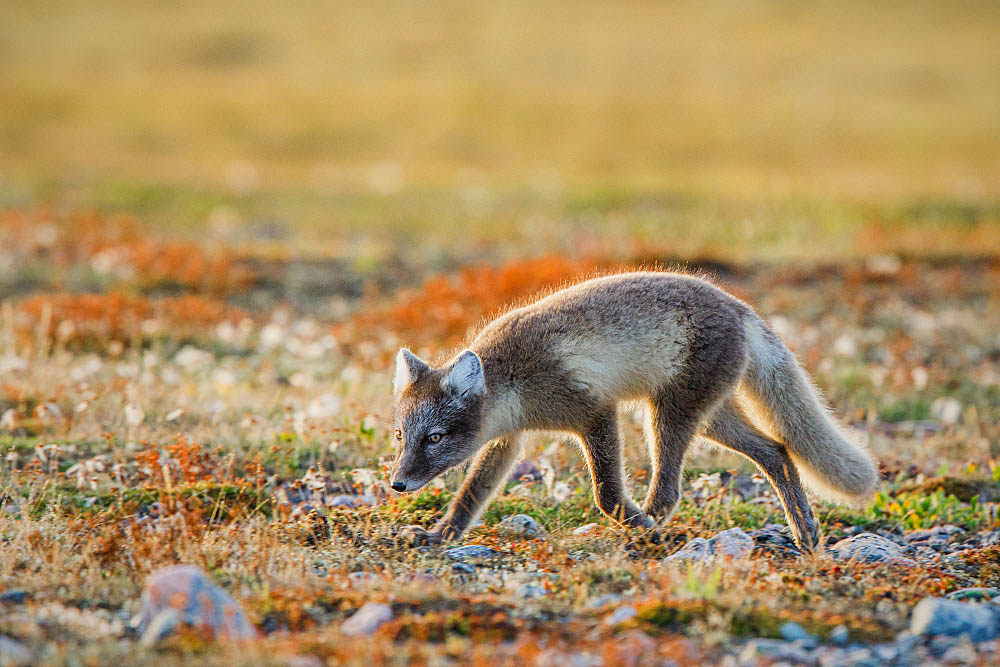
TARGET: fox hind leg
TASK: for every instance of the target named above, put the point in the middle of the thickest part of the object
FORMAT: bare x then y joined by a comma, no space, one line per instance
730,427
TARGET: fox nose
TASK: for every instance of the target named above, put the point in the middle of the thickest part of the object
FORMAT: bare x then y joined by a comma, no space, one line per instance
399,486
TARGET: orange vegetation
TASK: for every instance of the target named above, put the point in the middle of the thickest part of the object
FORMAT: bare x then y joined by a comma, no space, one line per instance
447,306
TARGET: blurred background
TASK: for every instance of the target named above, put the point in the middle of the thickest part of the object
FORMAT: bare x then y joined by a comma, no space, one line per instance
439,132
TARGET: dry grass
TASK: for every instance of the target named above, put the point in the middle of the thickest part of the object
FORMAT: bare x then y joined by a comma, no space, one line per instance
178,428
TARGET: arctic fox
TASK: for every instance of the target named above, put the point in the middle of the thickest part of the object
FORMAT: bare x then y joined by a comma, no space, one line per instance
703,361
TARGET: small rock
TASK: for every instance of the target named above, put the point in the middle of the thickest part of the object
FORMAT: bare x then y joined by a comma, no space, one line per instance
586,529
606,599
906,642
732,543
342,501
960,654
364,578
839,635
795,632
775,538
525,471
776,651
869,548
520,525
620,615
367,619
937,616
471,551
14,596
463,568
696,549
975,594
947,410
184,594
528,591
13,653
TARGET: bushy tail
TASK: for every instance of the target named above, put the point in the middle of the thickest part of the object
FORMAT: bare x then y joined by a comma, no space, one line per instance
791,409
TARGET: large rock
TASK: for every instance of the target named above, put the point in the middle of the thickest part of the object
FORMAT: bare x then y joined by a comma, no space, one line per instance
367,619
729,544
184,595
937,616
869,548
520,525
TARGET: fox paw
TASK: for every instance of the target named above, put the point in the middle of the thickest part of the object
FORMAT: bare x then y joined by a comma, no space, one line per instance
417,535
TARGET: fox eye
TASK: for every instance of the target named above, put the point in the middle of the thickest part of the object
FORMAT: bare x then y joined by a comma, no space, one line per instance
434,437
399,434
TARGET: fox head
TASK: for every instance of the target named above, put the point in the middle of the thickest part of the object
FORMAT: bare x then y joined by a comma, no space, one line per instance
438,415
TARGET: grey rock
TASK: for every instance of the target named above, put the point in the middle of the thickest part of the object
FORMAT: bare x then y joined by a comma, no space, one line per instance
732,543
586,529
869,548
795,632
696,549
471,551
529,591
184,594
525,471
963,653
342,501
965,594
13,596
606,599
776,651
839,635
620,615
463,568
520,525
937,616
13,653
367,619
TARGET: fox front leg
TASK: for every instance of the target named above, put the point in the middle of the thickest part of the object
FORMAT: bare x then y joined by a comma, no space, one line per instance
486,477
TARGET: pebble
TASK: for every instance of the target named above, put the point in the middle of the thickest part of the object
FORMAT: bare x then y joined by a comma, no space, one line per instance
367,619
463,568
729,544
839,635
620,615
586,529
795,632
185,594
13,653
606,599
525,471
775,538
937,616
870,548
520,525
471,551
970,594
13,596
529,591
777,651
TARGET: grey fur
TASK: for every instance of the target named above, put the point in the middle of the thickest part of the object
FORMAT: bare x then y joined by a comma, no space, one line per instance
700,358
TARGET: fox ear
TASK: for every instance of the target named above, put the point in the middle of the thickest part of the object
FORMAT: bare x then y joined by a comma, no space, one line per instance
466,378
408,368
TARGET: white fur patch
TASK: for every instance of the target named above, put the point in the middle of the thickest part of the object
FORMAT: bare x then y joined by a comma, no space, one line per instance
627,363
403,377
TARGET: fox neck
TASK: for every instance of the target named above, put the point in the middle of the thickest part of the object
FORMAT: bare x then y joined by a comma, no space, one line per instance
502,413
